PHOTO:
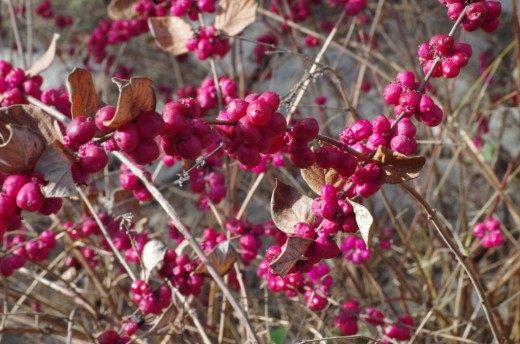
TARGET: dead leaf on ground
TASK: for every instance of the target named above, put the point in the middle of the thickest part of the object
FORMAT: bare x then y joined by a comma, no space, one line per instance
292,252
54,164
135,97
222,258
234,16
364,221
170,33
397,167
46,59
289,207
316,177
121,9
82,93
153,254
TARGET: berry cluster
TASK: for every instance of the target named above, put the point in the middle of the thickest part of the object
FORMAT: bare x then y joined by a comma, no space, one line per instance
131,182
59,98
355,250
352,7
211,187
409,99
453,56
211,238
488,231
112,337
185,134
482,14
192,8
180,270
347,319
15,85
260,50
207,92
208,43
337,214
297,141
44,9
259,129
386,238
249,237
401,329
150,301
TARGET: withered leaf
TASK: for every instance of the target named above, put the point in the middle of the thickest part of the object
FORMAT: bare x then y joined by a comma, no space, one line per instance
289,207
234,16
364,221
316,177
123,202
54,164
153,254
82,93
397,167
25,132
121,9
222,257
170,33
135,97
20,148
292,252
46,59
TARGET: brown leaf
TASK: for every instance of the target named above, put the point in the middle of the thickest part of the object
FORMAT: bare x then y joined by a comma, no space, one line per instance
46,59
20,149
123,202
170,33
25,131
293,251
135,97
234,16
289,207
153,254
364,221
121,9
82,93
397,167
316,177
54,164
222,257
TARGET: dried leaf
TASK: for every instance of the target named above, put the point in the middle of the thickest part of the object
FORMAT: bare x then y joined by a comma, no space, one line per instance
364,221
123,202
54,164
153,254
397,167
121,9
20,149
25,131
234,16
222,257
288,207
46,59
170,33
293,251
135,97
316,177
82,93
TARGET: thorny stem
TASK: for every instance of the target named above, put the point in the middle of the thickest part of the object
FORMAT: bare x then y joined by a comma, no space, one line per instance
445,234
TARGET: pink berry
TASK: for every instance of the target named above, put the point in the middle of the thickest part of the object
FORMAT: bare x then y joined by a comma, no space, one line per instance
30,197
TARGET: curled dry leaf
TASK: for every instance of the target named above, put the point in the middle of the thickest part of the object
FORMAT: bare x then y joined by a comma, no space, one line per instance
153,254
54,164
25,132
292,252
397,167
170,33
316,177
288,207
234,16
82,93
135,97
222,257
364,221
46,59
121,9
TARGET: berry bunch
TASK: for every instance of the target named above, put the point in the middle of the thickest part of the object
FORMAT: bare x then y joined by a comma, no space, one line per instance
44,9
180,270
211,238
59,98
249,237
208,43
337,214
207,92
453,56
482,14
386,238
352,7
150,301
15,85
297,141
88,253
488,231
409,99
259,52
259,130
211,187
317,287
355,250
400,330
131,182
347,319
192,8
